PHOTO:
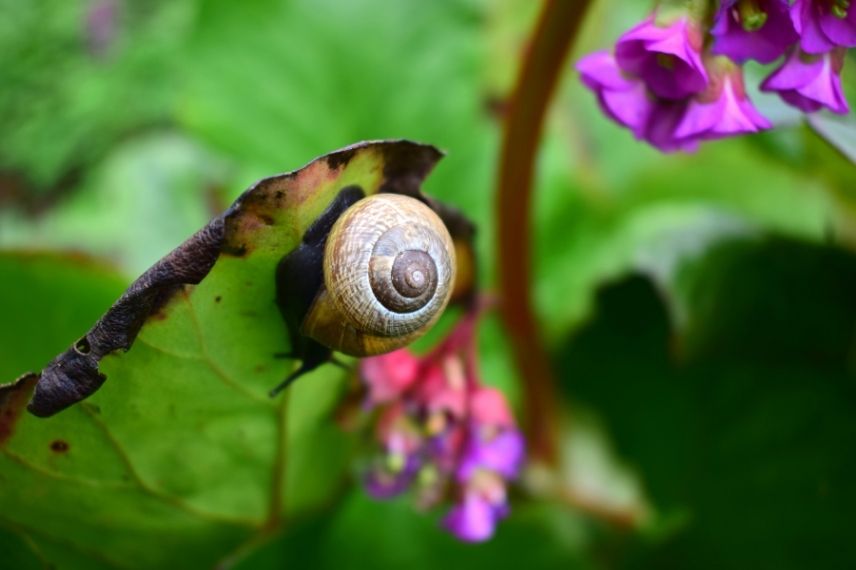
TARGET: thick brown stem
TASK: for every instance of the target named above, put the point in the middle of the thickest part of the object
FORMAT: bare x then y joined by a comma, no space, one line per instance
543,63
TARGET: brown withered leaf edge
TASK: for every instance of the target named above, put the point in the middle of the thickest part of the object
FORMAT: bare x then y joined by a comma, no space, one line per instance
74,375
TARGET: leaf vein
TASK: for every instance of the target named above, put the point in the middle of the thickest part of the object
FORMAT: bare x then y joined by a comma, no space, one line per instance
155,493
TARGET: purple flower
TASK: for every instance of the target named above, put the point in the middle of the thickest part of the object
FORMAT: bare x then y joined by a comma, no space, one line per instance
443,432
667,59
626,101
753,29
723,109
501,453
386,481
473,520
810,82
662,124
824,24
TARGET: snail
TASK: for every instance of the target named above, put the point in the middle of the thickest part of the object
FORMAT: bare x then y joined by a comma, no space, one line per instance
371,275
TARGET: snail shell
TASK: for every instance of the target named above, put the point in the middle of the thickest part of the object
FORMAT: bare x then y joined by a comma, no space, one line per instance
389,271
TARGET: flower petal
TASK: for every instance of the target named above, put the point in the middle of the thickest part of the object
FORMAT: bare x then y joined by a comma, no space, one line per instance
474,520
489,406
662,124
794,73
825,88
623,100
840,31
599,70
809,82
806,16
765,44
389,375
667,59
503,454
383,483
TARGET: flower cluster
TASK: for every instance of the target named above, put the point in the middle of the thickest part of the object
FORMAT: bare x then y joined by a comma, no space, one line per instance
674,83
443,433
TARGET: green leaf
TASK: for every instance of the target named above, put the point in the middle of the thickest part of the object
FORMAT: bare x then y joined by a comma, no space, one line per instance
537,535
117,211
20,552
837,131
740,424
181,447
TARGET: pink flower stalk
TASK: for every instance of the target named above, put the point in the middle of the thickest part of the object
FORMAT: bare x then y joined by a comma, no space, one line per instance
666,58
824,24
723,109
444,433
753,29
810,82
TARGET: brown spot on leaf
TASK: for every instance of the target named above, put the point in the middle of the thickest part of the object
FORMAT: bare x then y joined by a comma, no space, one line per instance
59,446
239,251
340,158
218,298
13,400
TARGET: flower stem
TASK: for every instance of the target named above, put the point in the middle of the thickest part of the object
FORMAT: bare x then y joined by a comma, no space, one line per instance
543,63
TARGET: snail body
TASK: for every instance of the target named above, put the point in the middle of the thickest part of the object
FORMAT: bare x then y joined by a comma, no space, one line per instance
389,269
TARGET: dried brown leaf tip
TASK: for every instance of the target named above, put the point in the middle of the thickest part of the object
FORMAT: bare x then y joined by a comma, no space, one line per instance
13,399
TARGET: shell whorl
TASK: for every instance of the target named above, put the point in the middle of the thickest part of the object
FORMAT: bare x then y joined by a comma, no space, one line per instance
389,265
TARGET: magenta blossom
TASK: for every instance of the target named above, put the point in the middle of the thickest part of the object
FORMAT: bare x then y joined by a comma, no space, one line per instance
810,82
493,449
666,58
723,109
390,376
626,101
824,24
474,518
753,29
623,98
443,433
662,125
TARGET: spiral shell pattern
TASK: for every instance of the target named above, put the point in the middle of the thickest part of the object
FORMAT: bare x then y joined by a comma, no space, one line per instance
389,265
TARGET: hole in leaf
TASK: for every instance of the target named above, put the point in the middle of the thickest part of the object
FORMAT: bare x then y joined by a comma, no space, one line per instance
82,346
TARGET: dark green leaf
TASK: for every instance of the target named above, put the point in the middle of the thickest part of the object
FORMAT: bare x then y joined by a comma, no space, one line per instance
742,427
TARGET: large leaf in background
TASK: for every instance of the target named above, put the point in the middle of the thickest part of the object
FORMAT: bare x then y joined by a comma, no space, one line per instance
839,132
182,447
116,213
116,80
608,204
302,76
611,214
742,427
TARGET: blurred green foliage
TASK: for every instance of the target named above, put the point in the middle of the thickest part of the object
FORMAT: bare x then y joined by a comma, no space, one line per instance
712,391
